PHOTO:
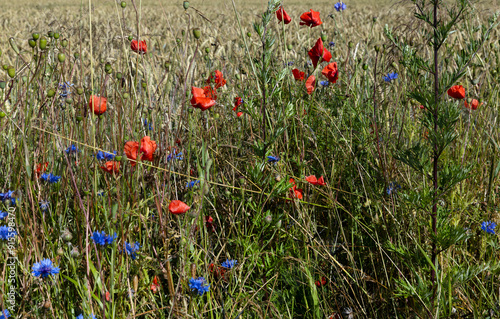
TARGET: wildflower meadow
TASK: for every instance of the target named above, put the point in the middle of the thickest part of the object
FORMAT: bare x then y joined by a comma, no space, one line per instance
249,159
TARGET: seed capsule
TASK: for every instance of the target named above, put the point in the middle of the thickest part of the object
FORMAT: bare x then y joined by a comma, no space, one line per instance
36,36
185,4
11,71
123,4
56,35
64,43
42,44
197,33
61,57
51,93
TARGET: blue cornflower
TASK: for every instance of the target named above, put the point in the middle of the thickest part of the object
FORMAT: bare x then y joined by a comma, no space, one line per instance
339,6
174,155
273,159
290,63
72,149
3,215
44,269
65,89
103,239
488,227
192,183
4,314
148,127
50,178
392,188
5,233
81,316
390,77
105,155
324,83
199,285
229,263
132,249
44,205
331,44
8,196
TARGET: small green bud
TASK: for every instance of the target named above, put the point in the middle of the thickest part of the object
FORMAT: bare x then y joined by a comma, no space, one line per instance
32,43
118,158
323,37
68,100
5,67
64,43
11,71
185,4
56,35
79,118
35,36
351,45
2,84
374,19
123,4
13,44
107,68
24,78
238,76
249,34
166,64
126,96
290,46
50,34
42,44
130,38
51,93
144,84
119,75
66,235
178,40
365,66
2,114
79,91
216,116
377,48
197,33
60,252
207,50
61,57
183,32
76,55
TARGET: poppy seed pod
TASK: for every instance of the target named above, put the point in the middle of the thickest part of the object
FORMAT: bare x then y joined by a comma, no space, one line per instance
76,55
64,43
290,46
2,84
2,114
365,66
123,4
11,71
323,37
197,33
185,4
32,43
42,44
207,50
56,35
107,68
36,36
119,75
130,38
5,67
51,93
79,91
61,57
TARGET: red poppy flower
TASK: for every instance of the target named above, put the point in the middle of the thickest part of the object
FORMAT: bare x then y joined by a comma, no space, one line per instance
111,166
282,15
178,207
298,75
294,191
310,83
132,150
155,286
200,100
217,78
457,92
315,181
323,281
421,107
318,283
97,104
139,46
209,223
41,168
318,51
148,147
239,114
331,72
237,102
474,104
209,92
310,19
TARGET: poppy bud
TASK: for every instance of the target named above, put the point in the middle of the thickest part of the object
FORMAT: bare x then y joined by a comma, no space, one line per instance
197,33
2,85
74,252
206,57
11,71
351,45
79,91
178,40
216,116
42,44
35,36
185,4
144,84
123,4
290,46
365,66
50,34
249,34
76,55
5,67
107,68
61,57
51,93
377,48
13,44
183,32
2,114
79,118
118,158
374,19
64,43
323,37
130,38
56,35
207,50
32,43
